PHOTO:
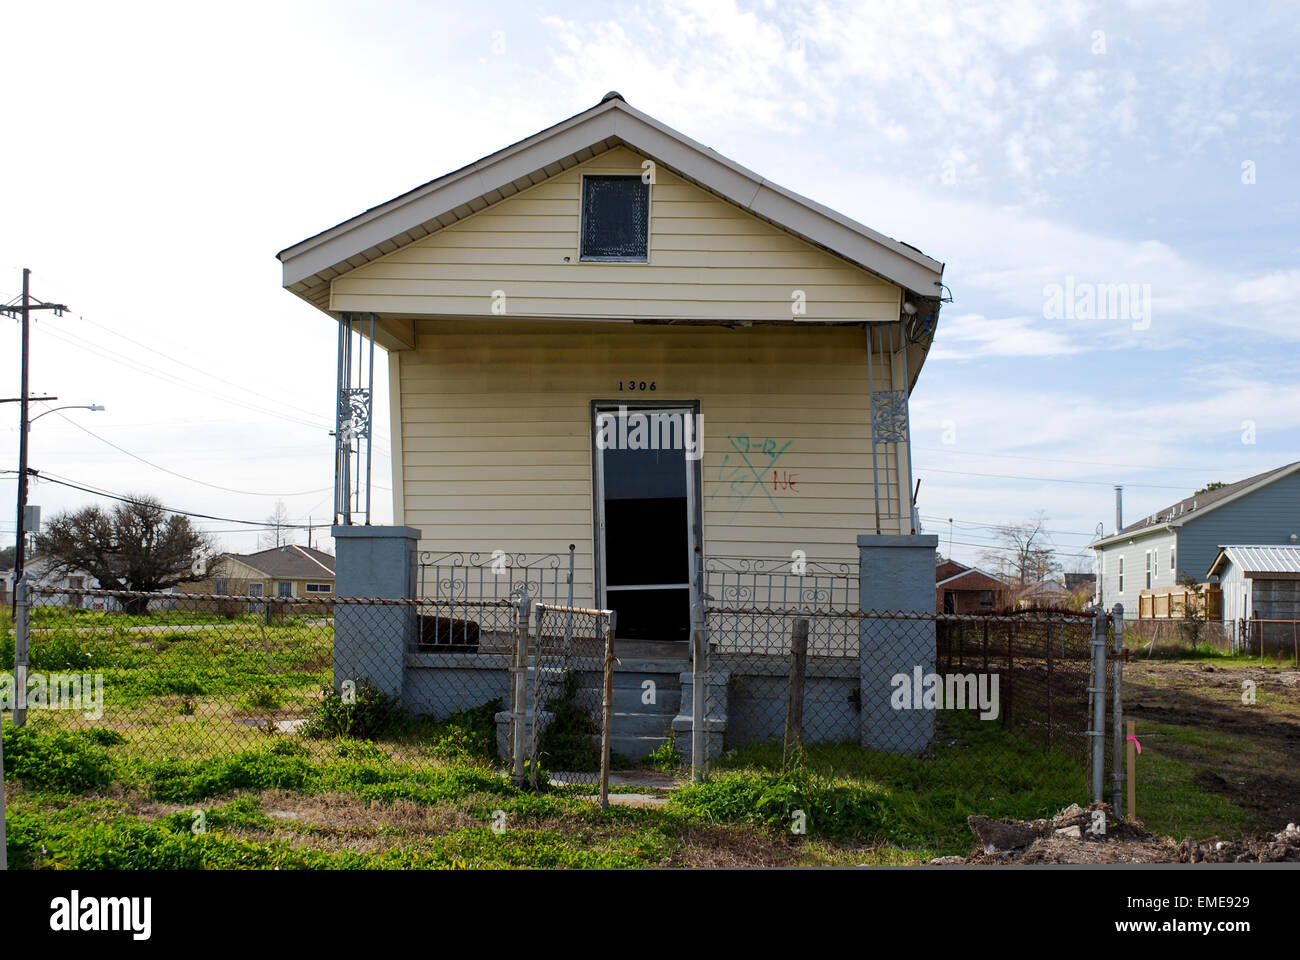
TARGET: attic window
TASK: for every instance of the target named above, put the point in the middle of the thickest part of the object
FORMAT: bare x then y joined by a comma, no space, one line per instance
615,219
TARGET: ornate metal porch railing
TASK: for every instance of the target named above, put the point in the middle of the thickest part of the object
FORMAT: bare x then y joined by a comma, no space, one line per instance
780,584
454,588
354,417
749,603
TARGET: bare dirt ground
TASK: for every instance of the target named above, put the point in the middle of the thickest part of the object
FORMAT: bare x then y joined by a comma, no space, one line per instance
1248,753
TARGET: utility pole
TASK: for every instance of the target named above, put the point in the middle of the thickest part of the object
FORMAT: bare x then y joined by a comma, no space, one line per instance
23,313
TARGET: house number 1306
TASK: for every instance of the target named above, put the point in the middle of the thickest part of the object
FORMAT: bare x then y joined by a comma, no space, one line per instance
636,385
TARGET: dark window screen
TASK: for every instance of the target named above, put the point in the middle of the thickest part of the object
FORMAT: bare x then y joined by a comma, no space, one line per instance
615,218
645,516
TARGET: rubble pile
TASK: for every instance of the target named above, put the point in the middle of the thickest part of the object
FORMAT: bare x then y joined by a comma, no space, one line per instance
1094,835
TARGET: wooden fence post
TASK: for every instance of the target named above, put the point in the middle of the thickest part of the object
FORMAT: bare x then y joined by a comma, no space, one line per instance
1132,771
794,704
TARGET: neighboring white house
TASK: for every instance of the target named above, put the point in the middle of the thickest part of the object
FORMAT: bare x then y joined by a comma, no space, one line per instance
69,586
1154,553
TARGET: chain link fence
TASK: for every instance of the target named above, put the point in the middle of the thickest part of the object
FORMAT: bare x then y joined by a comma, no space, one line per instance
526,688
964,691
572,685
182,678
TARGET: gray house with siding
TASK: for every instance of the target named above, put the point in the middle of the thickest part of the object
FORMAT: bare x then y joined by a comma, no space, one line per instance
1184,538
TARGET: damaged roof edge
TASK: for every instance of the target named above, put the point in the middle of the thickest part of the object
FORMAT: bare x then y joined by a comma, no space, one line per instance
613,119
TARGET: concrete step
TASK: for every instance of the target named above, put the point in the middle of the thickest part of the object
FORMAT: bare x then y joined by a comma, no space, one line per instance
628,700
629,673
641,724
674,649
633,747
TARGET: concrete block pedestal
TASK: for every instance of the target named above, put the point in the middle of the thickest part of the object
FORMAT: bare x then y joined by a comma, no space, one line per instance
715,720
370,642
896,575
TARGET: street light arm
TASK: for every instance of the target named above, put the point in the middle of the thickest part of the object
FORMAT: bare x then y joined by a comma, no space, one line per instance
71,406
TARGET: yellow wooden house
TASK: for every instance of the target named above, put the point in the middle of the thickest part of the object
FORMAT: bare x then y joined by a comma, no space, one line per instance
609,335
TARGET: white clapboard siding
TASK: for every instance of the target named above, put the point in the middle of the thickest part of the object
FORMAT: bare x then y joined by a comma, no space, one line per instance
496,440
708,260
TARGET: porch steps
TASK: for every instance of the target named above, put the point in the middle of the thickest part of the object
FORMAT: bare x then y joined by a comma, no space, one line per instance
640,728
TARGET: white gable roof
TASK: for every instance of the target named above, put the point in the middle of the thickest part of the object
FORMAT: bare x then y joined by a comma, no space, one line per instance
311,264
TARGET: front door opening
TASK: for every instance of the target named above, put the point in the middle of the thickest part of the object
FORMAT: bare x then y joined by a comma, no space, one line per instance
644,500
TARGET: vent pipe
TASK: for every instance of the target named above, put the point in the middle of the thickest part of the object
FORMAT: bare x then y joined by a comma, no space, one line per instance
1119,509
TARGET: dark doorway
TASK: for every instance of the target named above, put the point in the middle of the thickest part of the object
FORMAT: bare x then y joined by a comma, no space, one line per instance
644,501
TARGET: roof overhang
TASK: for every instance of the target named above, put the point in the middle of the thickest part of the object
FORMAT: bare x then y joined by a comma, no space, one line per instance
1242,555
969,572
1116,538
1169,526
310,265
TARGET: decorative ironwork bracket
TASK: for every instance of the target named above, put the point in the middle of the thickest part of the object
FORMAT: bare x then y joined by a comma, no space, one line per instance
889,416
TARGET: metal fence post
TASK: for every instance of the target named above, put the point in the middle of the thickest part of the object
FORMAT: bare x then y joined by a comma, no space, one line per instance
700,690
607,713
1098,692
534,707
4,847
22,648
568,617
1117,710
794,701
519,692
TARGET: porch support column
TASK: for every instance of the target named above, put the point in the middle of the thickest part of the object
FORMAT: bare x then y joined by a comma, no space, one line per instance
370,642
895,575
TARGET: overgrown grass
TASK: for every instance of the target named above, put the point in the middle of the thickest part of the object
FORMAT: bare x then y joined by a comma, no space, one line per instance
845,791
89,839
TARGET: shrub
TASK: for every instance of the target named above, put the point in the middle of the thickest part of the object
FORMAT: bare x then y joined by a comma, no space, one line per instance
56,760
566,743
829,809
469,734
263,697
664,757
371,714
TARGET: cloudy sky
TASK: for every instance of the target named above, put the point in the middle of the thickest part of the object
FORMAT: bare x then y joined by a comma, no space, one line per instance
1044,152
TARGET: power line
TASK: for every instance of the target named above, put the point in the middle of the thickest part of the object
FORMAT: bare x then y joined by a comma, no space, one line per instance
1011,476
998,526
105,353
175,380
203,483
65,482
990,548
232,383
1086,463
993,546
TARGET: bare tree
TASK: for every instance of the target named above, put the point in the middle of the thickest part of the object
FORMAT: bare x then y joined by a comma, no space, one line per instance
1024,554
279,530
137,545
